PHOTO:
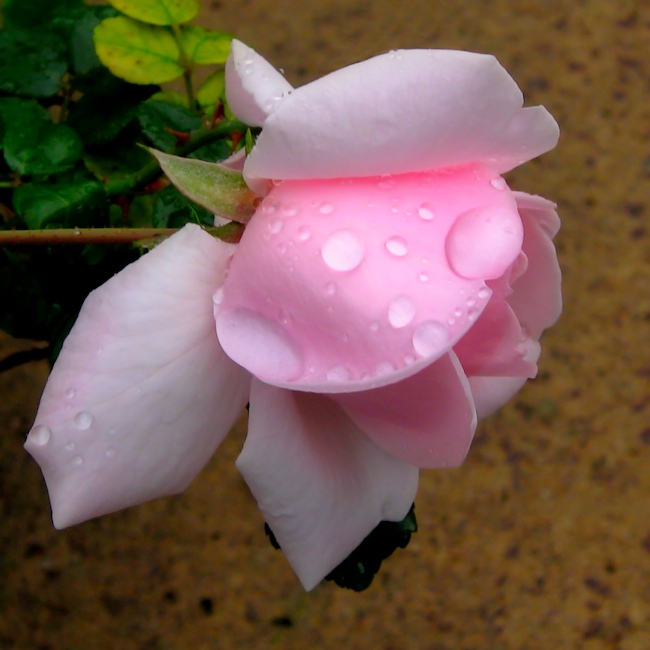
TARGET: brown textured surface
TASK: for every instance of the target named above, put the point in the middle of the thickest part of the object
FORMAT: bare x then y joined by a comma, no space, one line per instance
542,539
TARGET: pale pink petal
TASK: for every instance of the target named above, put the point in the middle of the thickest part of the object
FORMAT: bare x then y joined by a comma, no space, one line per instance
427,420
351,284
320,483
142,393
254,88
491,393
536,295
401,112
496,345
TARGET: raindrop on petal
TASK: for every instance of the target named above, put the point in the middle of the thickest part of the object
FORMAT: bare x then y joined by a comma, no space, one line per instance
326,208
70,393
303,233
338,373
78,460
83,420
397,246
39,435
343,251
401,311
430,338
426,212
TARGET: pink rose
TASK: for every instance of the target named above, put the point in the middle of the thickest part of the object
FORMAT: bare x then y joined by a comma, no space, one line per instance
389,290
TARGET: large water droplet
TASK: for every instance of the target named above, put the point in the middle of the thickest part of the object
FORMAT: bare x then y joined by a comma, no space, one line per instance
39,435
430,338
83,420
217,296
426,212
397,246
343,251
401,311
498,183
338,373
484,293
482,243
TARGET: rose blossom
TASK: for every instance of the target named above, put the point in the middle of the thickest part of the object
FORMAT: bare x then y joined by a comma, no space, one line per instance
389,289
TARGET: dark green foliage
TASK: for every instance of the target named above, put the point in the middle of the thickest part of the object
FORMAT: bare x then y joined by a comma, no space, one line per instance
358,570
69,158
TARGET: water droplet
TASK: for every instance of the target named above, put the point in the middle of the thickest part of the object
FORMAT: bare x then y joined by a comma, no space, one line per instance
83,420
458,312
482,243
217,296
110,452
338,373
269,207
430,338
303,233
290,210
70,446
425,211
78,460
424,277
409,359
330,288
498,183
384,368
397,246
70,393
282,248
275,226
395,210
484,293
343,251
326,208
374,326
472,314
39,435
284,316
471,302
401,311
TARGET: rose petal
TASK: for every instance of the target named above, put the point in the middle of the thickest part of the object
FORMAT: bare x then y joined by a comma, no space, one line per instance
537,295
427,420
496,345
253,86
142,393
491,393
405,111
348,284
320,483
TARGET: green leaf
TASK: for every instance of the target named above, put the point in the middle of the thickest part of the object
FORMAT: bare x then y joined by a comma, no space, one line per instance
116,161
221,190
159,12
32,62
203,46
158,119
62,205
215,151
139,53
97,117
32,144
212,92
173,210
30,13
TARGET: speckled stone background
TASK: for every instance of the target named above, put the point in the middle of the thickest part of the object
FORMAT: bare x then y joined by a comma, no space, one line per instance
542,539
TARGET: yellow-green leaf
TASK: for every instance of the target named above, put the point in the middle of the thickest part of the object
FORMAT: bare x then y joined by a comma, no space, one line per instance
205,46
221,190
159,12
141,54
212,91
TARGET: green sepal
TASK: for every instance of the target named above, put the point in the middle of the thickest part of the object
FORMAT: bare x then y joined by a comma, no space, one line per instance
358,570
219,189
63,205
139,53
159,12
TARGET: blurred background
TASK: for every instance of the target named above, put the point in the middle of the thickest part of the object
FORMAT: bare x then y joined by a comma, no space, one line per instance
542,538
